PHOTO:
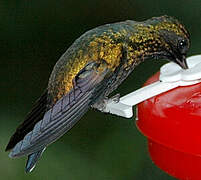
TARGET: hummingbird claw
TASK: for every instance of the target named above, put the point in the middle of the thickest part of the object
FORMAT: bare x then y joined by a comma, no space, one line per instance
115,98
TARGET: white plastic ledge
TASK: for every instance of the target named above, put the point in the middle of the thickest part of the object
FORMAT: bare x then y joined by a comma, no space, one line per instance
171,76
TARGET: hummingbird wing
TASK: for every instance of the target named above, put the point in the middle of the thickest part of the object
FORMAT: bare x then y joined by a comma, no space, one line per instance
35,115
65,113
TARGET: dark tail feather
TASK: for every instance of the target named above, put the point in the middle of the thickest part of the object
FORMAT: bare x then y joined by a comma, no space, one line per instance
32,160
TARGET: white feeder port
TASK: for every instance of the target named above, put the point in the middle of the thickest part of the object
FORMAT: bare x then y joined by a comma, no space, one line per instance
171,76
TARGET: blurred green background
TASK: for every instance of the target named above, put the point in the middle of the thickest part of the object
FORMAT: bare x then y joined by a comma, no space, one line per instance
33,35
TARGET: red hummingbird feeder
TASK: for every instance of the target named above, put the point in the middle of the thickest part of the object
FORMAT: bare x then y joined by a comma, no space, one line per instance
170,118
172,124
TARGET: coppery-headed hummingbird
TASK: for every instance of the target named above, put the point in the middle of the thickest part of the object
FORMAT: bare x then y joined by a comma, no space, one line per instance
91,68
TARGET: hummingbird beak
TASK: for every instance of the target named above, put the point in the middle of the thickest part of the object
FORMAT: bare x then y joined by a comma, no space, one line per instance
182,62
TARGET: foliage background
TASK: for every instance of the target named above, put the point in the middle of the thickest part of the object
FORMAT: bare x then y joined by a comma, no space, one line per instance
33,35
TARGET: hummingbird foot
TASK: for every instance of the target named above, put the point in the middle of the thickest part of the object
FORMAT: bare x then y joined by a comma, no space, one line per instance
102,104
114,98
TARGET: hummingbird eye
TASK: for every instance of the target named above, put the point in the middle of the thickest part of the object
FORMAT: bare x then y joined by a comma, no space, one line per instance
182,46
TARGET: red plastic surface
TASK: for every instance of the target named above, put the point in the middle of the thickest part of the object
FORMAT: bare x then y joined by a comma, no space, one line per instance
178,164
172,123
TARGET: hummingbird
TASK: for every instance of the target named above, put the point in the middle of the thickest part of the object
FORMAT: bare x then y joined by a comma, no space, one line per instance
90,69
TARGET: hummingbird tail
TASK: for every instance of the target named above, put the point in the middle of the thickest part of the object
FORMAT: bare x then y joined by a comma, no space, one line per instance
32,160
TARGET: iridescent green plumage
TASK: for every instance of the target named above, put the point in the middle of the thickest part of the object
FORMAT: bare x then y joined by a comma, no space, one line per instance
125,43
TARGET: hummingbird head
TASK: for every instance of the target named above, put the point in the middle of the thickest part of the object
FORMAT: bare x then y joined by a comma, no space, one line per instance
173,40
